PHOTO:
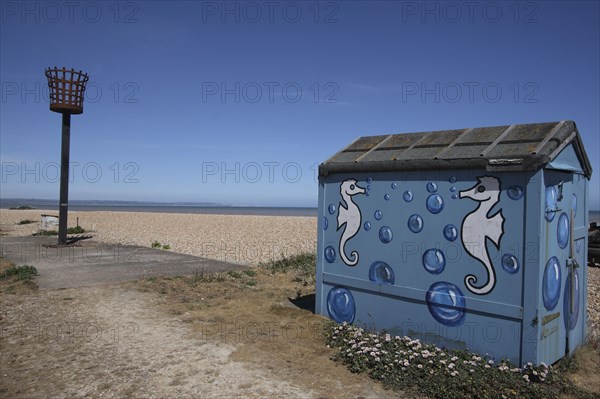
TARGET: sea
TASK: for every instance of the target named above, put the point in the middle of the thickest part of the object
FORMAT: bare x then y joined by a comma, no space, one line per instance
203,208
157,207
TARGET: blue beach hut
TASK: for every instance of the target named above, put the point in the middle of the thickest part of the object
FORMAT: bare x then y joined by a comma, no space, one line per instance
470,238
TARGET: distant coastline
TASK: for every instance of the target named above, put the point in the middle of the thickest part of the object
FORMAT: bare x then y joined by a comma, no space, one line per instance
159,207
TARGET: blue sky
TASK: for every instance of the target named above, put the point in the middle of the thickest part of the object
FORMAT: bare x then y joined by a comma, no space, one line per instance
238,102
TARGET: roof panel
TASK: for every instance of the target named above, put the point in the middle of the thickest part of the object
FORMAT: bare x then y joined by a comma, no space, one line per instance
510,147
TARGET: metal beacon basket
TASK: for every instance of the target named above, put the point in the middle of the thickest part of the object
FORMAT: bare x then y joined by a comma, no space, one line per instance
67,88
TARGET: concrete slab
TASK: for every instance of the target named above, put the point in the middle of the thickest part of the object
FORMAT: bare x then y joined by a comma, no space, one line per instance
87,263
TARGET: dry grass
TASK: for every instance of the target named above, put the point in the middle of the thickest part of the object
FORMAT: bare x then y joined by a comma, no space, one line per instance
254,311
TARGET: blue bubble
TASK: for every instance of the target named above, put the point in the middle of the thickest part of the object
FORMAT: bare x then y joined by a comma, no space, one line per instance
408,196
385,234
551,202
378,215
330,254
367,226
368,187
434,261
394,186
386,197
325,223
432,187
340,305
578,245
381,273
563,230
570,318
452,180
435,203
369,180
367,193
454,196
452,189
551,283
574,205
515,192
446,303
415,223
510,263
450,232
331,209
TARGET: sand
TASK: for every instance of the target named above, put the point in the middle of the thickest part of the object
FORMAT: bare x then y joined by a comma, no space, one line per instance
241,239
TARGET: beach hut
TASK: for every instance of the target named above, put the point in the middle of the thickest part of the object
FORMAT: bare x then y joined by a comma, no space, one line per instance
471,238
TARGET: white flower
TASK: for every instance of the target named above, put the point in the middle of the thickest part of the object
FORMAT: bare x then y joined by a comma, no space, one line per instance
420,366
451,366
490,362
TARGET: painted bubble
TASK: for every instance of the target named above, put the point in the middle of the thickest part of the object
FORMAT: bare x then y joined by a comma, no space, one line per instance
434,261
386,197
378,215
435,203
551,202
381,273
369,180
340,305
325,223
510,263
452,189
515,192
570,317
394,186
446,303
452,179
578,244
574,205
367,226
368,187
385,234
551,283
367,193
408,196
331,209
454,196
415,223
432,187
562,230
330,254
450,232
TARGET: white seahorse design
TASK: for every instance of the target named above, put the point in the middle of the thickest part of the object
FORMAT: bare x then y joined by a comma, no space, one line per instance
477,226
350,216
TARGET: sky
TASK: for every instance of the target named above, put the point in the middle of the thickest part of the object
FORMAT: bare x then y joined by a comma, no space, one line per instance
238,102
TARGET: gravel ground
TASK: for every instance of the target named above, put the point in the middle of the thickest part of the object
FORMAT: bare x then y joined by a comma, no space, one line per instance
242,239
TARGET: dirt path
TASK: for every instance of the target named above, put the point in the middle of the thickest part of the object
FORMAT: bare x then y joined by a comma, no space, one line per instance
116,342
111,342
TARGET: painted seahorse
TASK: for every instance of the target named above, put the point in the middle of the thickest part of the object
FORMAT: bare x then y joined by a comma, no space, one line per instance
350,216
477,226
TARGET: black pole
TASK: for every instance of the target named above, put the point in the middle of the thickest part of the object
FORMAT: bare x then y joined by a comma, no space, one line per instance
64,179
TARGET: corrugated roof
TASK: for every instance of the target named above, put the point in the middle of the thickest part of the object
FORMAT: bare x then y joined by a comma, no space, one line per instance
497,148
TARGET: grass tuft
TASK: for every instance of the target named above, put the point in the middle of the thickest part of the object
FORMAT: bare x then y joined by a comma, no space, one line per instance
22,273
303,267
27,221
70,230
